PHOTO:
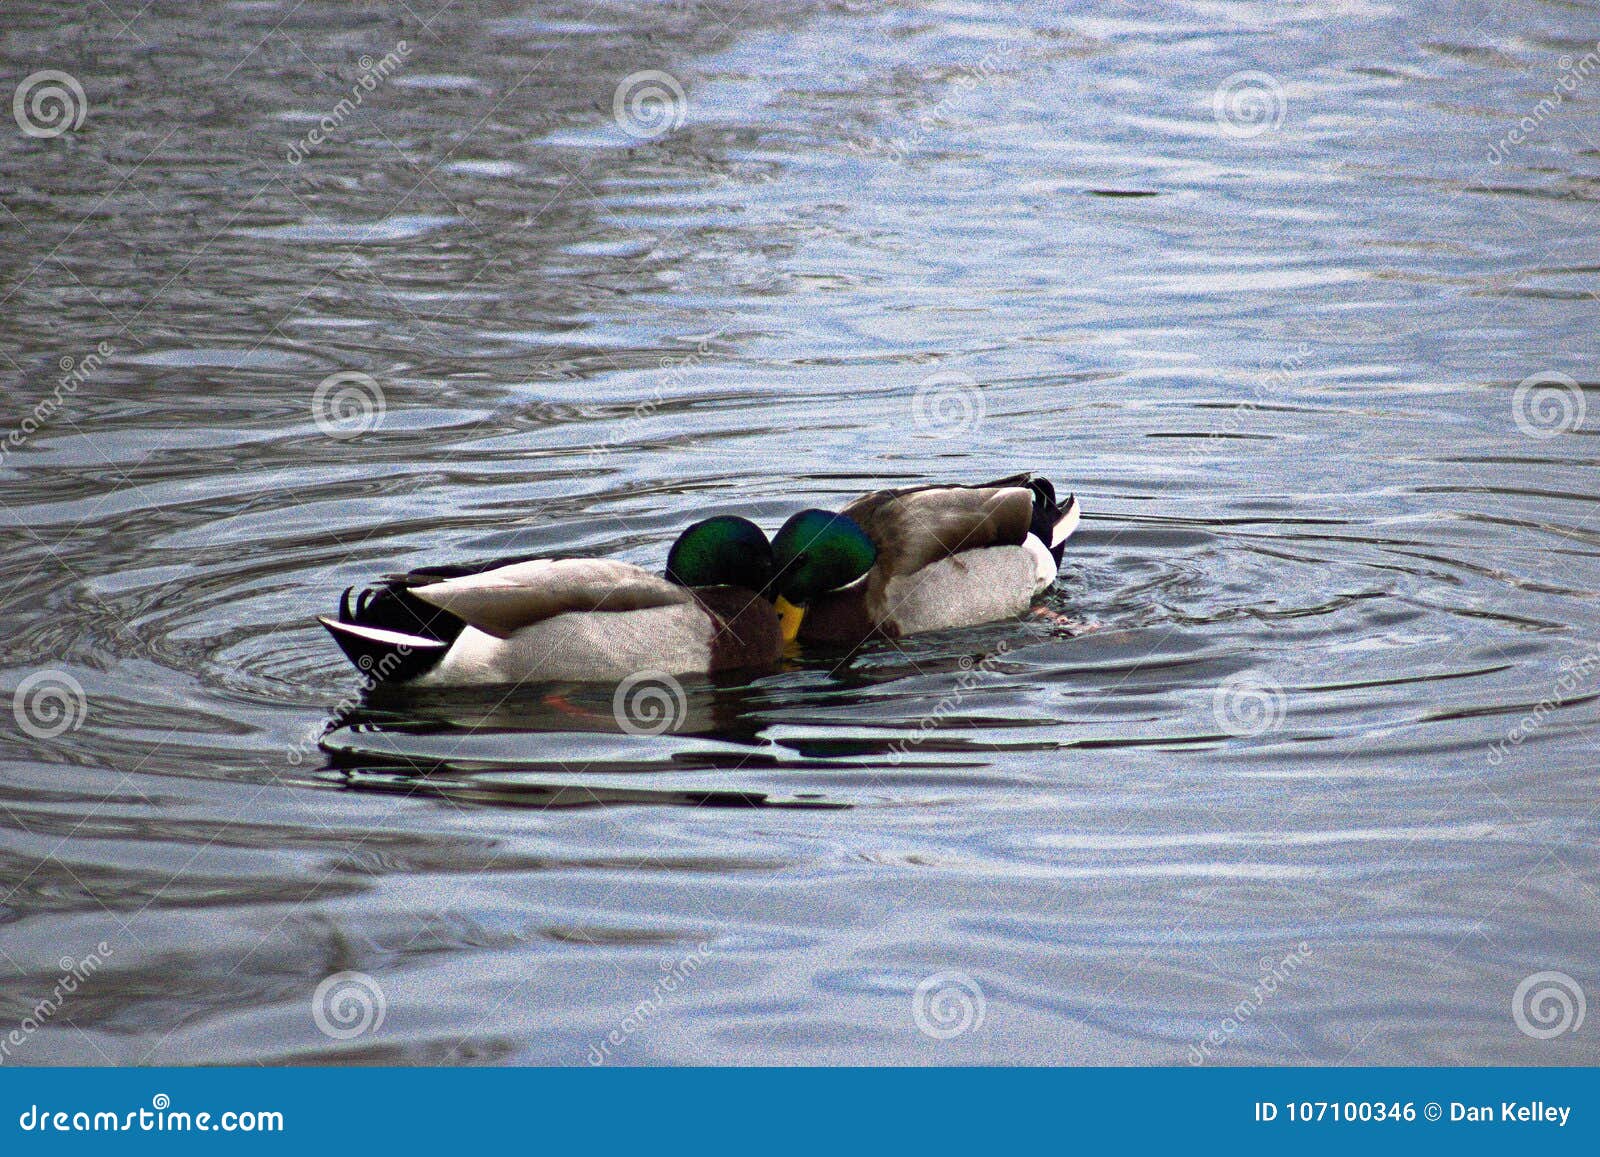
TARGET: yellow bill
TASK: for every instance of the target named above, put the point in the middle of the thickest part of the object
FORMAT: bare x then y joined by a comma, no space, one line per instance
789,617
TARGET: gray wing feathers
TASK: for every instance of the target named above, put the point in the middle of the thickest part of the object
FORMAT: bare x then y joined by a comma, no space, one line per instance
913,528
504,600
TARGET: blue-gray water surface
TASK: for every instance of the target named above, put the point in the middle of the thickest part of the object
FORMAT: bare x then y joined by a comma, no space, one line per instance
1294,764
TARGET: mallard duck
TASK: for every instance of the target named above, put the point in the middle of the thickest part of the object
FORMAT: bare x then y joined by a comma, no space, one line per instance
588,619
947,556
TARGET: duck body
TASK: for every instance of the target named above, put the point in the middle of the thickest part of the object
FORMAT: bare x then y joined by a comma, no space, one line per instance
947,556
568,619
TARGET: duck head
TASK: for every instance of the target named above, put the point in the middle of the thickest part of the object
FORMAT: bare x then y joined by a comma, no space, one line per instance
816,553
721,551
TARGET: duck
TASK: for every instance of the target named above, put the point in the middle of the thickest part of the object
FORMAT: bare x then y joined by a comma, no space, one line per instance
947,556
512,620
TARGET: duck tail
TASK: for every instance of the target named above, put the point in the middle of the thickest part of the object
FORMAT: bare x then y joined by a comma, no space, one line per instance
389,634
1053,522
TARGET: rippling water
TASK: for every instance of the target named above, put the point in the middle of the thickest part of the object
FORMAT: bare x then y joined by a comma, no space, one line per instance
1292,296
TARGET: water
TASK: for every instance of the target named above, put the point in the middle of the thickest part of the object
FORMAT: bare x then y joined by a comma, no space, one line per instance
1332,556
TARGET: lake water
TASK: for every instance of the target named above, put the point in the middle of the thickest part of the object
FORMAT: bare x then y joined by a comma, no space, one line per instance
1299,299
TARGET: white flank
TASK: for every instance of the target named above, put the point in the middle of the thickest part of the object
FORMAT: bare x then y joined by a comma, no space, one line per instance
1044,563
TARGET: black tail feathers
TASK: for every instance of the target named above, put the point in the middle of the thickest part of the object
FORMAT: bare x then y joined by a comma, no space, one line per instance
1048,515
391,635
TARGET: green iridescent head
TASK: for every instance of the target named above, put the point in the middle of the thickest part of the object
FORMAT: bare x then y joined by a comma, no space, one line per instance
721,551
818,551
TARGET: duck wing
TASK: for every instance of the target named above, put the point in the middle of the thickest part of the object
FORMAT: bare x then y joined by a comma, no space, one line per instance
507,598
921,525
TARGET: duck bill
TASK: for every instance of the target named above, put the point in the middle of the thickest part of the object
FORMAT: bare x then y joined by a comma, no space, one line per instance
789,617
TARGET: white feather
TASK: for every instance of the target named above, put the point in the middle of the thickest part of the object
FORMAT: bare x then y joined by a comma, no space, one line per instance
1044,563
1068,523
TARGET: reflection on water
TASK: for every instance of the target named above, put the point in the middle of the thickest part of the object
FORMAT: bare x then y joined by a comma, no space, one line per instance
1289,296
